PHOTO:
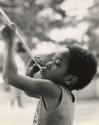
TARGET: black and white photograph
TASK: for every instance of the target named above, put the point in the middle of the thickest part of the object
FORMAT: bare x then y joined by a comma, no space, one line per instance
49,62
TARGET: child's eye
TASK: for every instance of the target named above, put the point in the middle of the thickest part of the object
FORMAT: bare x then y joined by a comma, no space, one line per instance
51,59
57,62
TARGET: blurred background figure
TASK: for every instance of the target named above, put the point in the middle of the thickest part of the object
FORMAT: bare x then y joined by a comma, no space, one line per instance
15,93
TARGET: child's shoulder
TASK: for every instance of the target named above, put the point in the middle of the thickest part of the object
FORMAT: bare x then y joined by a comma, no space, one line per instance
64,98
67,93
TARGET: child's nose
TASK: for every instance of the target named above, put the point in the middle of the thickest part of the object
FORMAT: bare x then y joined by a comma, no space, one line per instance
48,65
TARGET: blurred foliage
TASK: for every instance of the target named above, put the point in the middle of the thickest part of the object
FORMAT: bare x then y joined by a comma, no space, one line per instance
93,30
36,18
27,14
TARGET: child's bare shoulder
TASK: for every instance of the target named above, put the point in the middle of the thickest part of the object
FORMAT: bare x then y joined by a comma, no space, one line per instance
54,101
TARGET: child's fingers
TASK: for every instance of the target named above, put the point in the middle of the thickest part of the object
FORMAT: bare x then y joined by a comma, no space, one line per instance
35,68
39,60
7,32
13,26
4,31
30,71
31,62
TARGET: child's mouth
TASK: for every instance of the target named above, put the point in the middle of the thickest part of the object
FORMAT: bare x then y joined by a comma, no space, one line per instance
43,70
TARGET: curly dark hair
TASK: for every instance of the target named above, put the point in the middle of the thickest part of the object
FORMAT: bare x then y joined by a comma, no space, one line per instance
83,65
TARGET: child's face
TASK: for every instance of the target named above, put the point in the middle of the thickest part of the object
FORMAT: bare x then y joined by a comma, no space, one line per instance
56,69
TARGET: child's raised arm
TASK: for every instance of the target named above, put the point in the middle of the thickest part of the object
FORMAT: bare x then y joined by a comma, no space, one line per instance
39,87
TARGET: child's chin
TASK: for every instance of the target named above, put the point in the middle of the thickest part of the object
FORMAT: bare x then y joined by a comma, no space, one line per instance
42,77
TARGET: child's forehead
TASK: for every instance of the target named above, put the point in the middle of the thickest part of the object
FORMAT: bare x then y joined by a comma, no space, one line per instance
63,53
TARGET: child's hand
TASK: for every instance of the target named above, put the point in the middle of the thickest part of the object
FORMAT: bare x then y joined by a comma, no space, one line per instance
32,68
8,33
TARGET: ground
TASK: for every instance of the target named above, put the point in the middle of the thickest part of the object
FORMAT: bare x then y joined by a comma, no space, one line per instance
86,112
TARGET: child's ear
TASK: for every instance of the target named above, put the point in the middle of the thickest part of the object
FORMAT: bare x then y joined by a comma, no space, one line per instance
71,80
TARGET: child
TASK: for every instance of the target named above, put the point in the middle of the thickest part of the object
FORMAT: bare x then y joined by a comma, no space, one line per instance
71,69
